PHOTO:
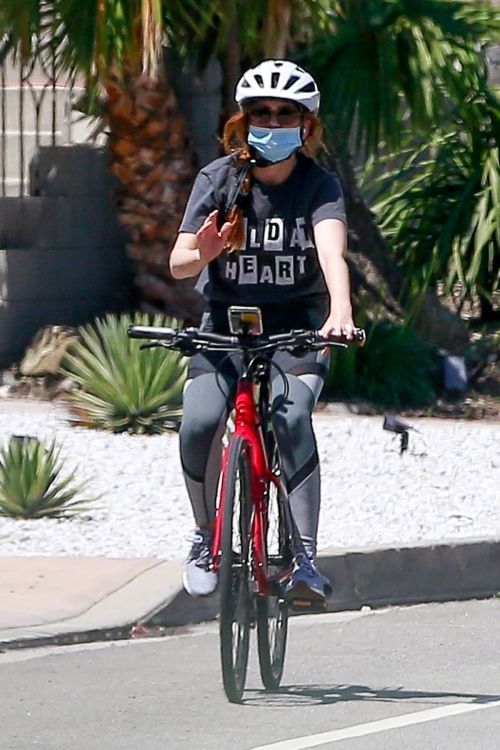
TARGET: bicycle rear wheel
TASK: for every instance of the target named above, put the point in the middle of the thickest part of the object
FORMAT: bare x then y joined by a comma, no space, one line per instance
234,573
272,611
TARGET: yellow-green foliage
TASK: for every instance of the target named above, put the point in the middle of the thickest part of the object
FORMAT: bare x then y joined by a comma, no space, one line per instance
121,388
31,485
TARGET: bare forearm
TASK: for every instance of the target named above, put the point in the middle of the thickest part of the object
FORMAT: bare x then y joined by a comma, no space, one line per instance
338,285
185,262
331,242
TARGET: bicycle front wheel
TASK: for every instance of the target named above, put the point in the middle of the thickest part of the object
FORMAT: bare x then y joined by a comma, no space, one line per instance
272,611
234,572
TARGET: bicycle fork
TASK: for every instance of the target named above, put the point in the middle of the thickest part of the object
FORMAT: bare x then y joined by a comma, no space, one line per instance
247,426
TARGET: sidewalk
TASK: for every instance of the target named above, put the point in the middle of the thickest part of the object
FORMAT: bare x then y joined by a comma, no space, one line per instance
54,601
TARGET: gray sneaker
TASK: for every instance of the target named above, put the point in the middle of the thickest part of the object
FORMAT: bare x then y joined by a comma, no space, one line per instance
198,578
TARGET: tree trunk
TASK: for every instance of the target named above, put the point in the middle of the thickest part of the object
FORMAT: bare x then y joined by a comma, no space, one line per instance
231,67
276,34
151,157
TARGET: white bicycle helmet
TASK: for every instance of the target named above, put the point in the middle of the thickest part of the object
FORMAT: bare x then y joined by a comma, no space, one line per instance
279,79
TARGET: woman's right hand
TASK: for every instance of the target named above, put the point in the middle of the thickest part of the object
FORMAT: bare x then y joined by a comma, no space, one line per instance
211,241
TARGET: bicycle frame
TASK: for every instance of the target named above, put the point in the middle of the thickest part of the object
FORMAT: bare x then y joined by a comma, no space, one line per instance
248,426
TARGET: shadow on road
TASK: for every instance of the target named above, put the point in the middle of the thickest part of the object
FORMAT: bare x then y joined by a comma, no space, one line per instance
300,695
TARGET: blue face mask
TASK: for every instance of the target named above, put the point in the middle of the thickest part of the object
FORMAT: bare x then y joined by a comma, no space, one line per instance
274,144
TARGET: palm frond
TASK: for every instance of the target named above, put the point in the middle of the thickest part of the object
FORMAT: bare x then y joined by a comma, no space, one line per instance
442,215
383,61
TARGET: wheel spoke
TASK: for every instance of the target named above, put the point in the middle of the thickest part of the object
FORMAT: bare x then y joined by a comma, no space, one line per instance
234,572
272,611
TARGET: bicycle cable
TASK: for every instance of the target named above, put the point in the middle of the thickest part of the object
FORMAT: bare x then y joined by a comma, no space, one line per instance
280,401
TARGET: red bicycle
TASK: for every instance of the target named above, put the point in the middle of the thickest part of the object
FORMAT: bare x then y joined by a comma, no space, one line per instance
255,538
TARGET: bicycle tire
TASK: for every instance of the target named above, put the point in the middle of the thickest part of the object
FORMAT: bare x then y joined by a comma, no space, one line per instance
234,573
272,611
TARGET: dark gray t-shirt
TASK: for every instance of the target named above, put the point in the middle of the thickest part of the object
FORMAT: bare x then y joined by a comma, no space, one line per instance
278,262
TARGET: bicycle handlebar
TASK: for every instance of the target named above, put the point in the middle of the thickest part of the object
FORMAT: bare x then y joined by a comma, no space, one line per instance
191,340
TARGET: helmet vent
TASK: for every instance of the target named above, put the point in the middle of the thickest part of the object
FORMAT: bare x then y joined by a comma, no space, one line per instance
259,80
309,87
274,80
290,82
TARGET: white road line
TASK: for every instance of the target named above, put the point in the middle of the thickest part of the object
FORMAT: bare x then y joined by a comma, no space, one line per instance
374,727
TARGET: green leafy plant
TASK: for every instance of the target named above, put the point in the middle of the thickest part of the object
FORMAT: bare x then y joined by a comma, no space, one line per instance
438,200
394,369
121,388
385,63
31,485
441,215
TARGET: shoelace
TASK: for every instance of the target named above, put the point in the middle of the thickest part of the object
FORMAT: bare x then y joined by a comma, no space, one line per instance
305,564
200,551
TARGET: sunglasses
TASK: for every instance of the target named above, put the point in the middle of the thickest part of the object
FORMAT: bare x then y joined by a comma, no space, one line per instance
285,115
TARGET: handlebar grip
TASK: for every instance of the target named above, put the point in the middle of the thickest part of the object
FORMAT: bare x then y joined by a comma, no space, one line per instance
358,337
151,332
210,337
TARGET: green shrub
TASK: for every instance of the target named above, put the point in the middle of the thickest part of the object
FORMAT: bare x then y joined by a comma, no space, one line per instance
443,221
30,481
394,369
120,387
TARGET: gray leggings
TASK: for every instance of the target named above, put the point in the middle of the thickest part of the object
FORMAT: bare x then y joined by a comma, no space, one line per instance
203,423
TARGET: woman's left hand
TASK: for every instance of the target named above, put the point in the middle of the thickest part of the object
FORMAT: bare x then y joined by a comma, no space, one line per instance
338,325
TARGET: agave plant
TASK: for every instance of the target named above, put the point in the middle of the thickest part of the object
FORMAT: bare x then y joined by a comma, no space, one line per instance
31,485
121,388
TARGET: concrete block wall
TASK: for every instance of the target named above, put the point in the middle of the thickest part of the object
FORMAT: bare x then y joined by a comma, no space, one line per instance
62,252
62,257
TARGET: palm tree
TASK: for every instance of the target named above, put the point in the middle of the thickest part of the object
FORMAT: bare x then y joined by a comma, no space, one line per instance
375,61
118,47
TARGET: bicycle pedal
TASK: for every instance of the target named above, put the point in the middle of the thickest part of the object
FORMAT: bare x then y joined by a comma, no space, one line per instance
276,588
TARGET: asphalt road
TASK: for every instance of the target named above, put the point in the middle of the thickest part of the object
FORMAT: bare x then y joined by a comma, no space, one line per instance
403,678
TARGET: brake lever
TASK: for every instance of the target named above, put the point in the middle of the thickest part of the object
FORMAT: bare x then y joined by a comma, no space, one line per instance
150,345
331,345
158,344
303,349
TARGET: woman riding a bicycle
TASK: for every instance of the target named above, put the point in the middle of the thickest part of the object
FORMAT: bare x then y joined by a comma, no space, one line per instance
265,225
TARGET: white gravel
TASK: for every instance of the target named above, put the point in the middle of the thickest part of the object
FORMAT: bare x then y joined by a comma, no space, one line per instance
446,486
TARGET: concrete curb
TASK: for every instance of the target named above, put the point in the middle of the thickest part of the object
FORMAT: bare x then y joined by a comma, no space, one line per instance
375,577
379,577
